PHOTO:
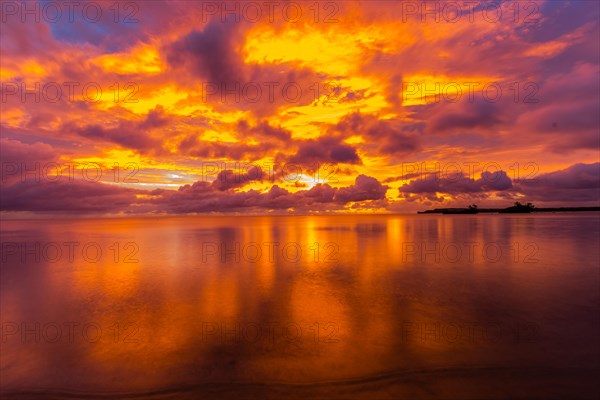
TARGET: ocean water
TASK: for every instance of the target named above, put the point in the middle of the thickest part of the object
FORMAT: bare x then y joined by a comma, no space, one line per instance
352,307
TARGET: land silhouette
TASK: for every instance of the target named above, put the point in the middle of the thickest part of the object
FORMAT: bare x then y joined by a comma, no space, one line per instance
517,208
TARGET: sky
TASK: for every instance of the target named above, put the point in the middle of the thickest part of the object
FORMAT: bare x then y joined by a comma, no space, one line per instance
296,107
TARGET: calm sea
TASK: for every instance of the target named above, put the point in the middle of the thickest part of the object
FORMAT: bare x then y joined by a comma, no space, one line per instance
403,306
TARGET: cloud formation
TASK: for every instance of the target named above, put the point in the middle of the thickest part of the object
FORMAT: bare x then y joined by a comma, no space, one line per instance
347,97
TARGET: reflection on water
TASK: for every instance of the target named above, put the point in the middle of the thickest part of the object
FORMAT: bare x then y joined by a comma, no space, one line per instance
483,306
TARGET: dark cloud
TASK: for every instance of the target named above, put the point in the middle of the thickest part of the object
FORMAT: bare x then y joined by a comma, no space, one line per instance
66,195
135,135
228,179
465,114
433,184
388,137
579,182
239,151
567,117
262,131
21,161
325,149
213,62
202,197
364,188
210,53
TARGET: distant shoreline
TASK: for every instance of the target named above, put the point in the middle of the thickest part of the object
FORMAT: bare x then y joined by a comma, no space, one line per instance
509,210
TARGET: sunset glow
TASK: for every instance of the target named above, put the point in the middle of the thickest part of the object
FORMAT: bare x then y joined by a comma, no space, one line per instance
313,95
299,199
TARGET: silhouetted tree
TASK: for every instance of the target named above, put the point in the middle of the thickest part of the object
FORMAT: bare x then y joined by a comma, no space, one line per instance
519,207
